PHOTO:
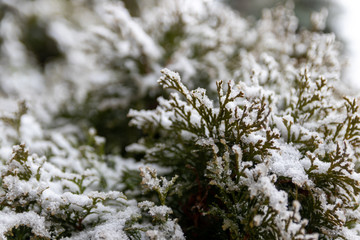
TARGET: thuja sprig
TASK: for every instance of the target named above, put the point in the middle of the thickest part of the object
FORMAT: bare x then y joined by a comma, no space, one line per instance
73,215
352,131
235,140
79,183
151,181
15,120
21,170
309,101
336,179
18,165
236,145
236,116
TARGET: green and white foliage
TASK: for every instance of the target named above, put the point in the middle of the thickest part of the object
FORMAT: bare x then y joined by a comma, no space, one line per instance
283,172
72,191
106,57
40,200
269,152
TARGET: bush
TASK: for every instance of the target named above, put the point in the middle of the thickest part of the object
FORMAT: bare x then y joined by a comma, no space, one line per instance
271,154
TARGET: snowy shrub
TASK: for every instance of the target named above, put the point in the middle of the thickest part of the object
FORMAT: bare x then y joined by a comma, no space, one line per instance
249,135
258,167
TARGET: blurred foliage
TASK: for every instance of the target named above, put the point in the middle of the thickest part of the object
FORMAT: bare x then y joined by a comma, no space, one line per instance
303,8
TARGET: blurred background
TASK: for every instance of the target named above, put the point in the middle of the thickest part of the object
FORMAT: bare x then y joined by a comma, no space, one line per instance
303,8
343,19
71,52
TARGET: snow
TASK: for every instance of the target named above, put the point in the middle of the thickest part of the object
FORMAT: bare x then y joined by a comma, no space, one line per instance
113,228
103,46
287,163
136,148
30,129
277,199
186,135
116,14
9,220
160,211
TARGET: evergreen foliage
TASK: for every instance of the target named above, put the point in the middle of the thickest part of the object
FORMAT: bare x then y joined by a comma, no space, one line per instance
250,135
269,173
